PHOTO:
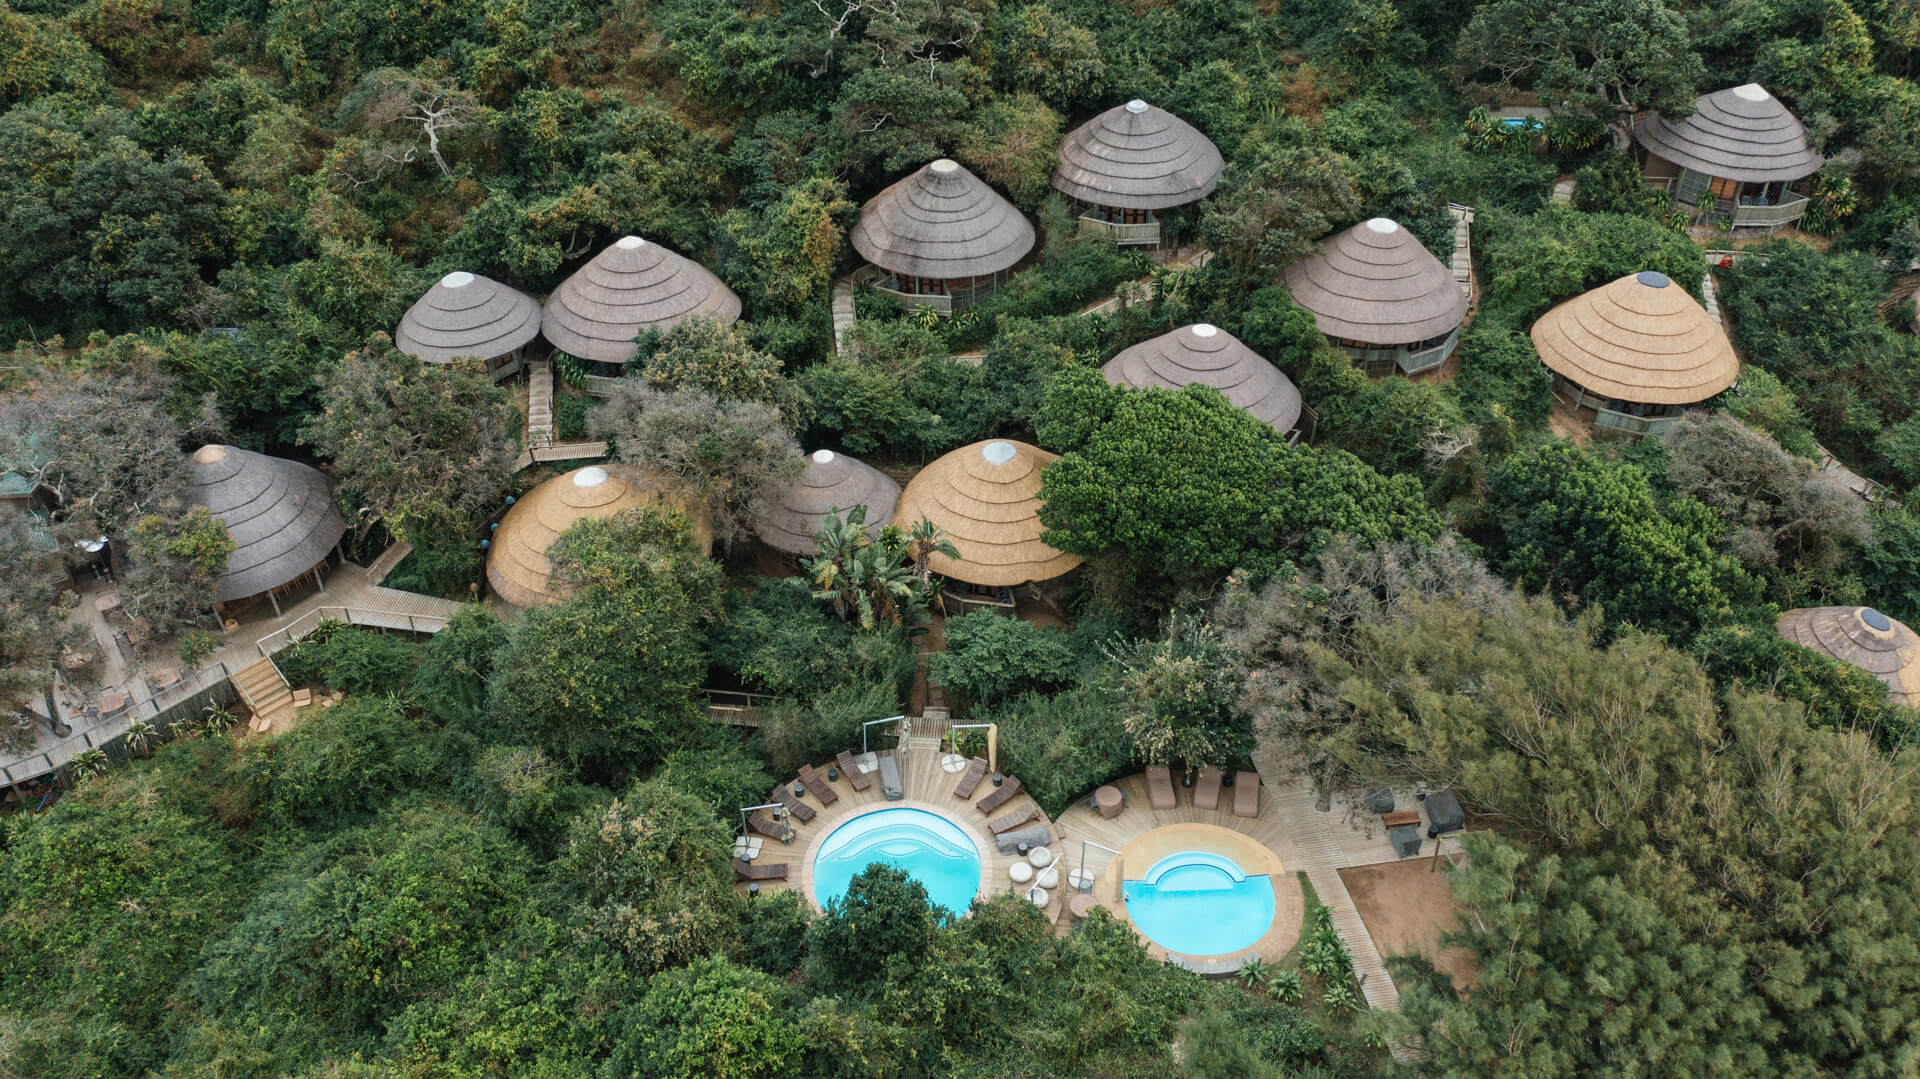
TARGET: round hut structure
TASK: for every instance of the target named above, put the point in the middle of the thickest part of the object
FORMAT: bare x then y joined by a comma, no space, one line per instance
986,497
1209,356
1382,298
279,514
1741,156
518,571
941,238
466,314
631,287
1637,351
1127,164
831,483
1865,638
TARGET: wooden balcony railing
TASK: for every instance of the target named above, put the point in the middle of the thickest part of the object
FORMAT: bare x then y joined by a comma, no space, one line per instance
1144,234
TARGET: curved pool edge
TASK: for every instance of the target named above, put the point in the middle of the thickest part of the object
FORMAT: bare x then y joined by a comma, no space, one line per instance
982,842
1254,859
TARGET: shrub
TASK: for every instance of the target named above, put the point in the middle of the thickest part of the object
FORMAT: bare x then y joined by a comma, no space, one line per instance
990,657
569,417
1061,746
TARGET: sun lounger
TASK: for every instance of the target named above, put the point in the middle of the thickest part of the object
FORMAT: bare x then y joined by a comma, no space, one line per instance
1036,836
1160,788
998,797
762,822
749,871
890,779
970,779
1014,819
801,811
817,786
1206,789
1246,794
852,771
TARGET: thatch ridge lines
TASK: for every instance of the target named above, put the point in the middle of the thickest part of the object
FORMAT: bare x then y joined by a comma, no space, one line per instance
1148,159
1740,133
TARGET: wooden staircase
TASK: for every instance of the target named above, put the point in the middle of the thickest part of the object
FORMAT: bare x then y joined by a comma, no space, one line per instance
540,405
267,695
843,314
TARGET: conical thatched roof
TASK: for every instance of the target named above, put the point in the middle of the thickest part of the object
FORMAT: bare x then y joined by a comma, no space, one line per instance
1864,637
1640,339
279,513
1376,283
987,498
465,314
1135,156
1213,357
517,566
632,286
831,482
941,222
1743,133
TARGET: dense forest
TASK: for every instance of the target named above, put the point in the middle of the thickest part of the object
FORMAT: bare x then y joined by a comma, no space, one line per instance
505,852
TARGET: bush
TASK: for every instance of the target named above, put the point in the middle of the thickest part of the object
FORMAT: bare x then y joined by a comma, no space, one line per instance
1498,366
990,657
569,417
778,639
348,760
1061,746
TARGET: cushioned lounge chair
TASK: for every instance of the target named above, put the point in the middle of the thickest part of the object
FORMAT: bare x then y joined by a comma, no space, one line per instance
1036,836
970,779
1246,794
769,871
1014,819
998,797
817,785
1160,788
1206,789
890,779
852,771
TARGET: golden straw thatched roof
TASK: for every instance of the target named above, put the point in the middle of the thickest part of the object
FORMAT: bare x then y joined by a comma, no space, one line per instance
1210,356
831,482
1742,133
631,286
1136,156
1864,637
941,222
1639,339
465,314
1377,283
517,566
987,498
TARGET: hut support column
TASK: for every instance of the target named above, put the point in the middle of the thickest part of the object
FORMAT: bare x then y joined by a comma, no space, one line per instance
271,598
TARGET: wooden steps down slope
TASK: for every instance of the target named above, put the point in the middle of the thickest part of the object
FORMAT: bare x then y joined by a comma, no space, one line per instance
267,694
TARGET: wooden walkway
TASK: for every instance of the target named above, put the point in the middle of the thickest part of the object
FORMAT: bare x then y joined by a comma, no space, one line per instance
843,313
540,405
1462,262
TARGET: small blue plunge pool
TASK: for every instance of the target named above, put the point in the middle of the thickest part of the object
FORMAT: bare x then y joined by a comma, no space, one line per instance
932,849
1197,903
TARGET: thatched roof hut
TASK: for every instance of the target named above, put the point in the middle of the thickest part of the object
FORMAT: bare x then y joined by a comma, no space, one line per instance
280,515
1136,156
942,223
987,498
1864,637
1376,284
465,314
1742,133
1210,356
1640,339
517,566
831,482
630,287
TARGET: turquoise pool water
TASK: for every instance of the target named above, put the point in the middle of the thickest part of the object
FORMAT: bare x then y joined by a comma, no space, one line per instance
932,849
1197,903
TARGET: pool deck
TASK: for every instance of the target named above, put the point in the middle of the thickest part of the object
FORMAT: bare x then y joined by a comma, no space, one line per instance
928,787
1145,835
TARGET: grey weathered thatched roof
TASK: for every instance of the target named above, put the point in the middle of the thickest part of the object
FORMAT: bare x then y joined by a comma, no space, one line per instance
941,222
1864,637
1742,133
1139,157
465,314
1210,356
280,514
1376,283
632,286
831,482
1640,338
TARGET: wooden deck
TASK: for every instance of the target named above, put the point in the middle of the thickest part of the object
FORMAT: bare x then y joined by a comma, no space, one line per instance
927,786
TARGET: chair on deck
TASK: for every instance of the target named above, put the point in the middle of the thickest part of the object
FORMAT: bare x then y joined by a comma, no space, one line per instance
1206,789
761,822
998,797
801,811
1246,794
852,771
890,779
970,779
817,786
1160,788
1014,819
749,871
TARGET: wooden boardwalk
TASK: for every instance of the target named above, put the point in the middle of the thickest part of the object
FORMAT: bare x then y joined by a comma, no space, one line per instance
843,313
1462,262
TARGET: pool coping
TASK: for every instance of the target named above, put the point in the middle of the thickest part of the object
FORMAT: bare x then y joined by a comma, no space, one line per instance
983,846
1244,851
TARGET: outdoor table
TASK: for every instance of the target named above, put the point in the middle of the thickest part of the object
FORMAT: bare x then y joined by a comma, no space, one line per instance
1021,872
109,703
1107,801
107,602
1080,906
166,676
1041,857
1081,879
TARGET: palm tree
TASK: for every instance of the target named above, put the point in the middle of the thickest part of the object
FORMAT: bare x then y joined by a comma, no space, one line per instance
928,539
837,545
140,735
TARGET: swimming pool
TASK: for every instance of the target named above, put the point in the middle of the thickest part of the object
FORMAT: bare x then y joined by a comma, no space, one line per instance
932,849
1199,903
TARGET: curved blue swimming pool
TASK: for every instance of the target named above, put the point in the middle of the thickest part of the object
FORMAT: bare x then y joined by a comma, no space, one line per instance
1199,903
932,849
